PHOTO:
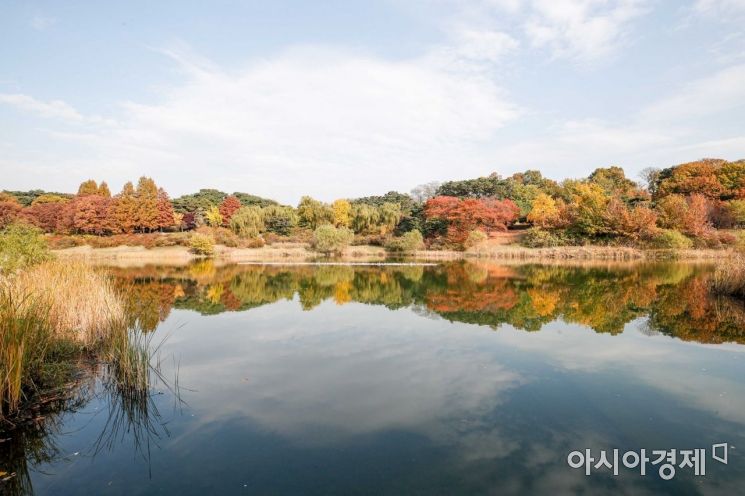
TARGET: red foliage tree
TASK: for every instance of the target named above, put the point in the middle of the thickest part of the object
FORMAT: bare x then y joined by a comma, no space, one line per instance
10,211
228,207
466,215
47,216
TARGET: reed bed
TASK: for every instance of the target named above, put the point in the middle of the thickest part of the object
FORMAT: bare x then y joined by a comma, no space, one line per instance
729,278
48,314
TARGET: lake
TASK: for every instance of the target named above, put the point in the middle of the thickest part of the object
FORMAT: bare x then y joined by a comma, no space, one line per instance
460,378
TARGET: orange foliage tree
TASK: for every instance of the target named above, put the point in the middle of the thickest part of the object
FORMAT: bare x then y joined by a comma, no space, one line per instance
90,214
466,215
123,210
166,217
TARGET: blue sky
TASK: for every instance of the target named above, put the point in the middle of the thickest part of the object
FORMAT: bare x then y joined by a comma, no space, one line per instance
349,98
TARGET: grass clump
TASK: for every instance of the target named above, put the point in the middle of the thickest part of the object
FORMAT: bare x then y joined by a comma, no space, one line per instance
542,238
729,278
49,315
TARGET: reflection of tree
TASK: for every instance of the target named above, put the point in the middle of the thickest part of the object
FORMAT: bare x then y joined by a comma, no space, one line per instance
674,296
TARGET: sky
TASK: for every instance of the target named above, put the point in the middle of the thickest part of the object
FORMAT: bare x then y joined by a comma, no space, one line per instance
340,99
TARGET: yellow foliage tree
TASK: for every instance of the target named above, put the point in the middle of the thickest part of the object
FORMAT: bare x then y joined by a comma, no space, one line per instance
544,212
342,210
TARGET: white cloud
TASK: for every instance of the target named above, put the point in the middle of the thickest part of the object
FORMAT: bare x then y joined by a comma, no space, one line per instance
710,95
483,45
310,119
720,7
585,29
41,23
55,109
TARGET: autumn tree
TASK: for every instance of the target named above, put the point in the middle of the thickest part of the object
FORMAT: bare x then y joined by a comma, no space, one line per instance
146,209
696,221
10,211
103,190
47,215
466,215
732,178
213,217
544,211
228,207
698,177
613,181
587,209
672,210
89,187
635,223
123,210
90,214
342,212
166,218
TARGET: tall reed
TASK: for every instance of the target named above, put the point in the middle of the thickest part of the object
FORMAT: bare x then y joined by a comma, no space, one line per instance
729,278
45,307
25,333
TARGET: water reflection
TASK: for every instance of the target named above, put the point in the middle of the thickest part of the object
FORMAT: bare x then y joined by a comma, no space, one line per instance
675,297
389,380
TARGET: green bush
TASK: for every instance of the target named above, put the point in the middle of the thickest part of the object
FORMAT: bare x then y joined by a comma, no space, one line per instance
474,238
408,242
21,245
329,239
541,238
279,219
247,222
670,239
202,244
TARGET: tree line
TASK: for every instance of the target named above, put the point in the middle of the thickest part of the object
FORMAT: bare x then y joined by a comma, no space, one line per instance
687,204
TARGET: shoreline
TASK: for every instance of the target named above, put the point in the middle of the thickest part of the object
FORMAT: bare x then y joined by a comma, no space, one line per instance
298,252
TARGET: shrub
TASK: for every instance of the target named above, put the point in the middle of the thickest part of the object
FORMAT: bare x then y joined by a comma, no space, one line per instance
21,245
670,239
474,238
202,244
408,242
226,237
329,239
541,238
253,243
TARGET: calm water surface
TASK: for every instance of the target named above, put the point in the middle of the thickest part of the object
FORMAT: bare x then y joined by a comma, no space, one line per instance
456,379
